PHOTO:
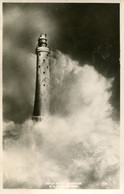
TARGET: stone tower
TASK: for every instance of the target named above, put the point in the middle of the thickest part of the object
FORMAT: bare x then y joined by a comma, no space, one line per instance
42,99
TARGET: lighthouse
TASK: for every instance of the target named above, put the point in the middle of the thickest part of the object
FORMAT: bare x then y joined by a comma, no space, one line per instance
42,98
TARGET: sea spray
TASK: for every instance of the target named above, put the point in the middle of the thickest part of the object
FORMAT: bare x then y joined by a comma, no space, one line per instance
78,142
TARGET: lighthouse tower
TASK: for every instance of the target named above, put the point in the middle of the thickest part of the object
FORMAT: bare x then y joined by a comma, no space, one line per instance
42,99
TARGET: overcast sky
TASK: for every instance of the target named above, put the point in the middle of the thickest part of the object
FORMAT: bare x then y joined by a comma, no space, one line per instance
88,33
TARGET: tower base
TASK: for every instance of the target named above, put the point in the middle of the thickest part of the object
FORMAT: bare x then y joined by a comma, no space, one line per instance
37,118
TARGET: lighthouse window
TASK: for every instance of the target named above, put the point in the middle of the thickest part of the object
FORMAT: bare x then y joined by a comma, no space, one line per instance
39,66
43,60
44,72
43,84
